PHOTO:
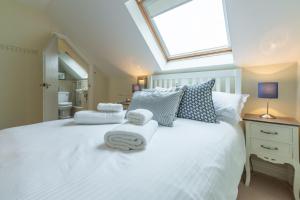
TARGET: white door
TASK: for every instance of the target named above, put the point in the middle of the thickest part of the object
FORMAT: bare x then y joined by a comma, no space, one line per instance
50,84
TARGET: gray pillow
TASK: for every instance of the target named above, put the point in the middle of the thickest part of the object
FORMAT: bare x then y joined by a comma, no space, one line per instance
161,89
197,103
163,105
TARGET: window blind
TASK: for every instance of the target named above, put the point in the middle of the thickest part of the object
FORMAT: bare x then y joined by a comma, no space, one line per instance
157,7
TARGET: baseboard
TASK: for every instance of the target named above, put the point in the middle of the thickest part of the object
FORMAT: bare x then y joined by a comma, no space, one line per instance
282,172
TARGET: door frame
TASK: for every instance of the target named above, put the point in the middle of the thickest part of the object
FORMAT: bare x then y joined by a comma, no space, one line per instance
50,102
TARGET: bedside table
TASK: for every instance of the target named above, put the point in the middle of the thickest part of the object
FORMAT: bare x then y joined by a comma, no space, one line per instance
275,141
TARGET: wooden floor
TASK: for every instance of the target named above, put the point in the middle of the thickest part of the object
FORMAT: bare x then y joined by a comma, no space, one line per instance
263,187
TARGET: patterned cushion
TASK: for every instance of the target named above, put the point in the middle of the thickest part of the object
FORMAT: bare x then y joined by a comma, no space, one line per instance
197,103
163,105
171,89
161,89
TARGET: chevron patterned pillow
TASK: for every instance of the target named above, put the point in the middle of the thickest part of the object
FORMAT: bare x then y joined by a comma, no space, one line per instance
197,103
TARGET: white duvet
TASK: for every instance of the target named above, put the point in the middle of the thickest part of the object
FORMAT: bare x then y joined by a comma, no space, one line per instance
59,160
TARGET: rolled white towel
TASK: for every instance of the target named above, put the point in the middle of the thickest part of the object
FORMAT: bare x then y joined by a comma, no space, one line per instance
95,117
128,137
109,107
139,116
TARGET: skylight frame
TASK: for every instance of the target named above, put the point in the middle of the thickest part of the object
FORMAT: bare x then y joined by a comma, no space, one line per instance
199,53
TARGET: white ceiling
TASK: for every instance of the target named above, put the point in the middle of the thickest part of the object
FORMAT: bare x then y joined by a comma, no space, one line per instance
105,30
262,32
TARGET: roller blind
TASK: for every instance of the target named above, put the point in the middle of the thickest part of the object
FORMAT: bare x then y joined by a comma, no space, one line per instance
157,7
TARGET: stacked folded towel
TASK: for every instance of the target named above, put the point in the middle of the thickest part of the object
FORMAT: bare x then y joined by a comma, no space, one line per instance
135,134
127,137
95,117
106,114
139,116
109,107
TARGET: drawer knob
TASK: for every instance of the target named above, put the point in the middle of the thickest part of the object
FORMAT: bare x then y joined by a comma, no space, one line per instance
268,132
269,148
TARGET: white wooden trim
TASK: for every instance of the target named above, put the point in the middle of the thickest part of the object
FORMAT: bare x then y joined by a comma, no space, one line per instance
221,76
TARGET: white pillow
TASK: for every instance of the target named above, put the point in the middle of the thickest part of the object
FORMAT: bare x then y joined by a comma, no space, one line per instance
229,106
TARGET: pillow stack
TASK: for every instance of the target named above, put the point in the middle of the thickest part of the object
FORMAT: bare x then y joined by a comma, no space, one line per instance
196,102
229,106
163,104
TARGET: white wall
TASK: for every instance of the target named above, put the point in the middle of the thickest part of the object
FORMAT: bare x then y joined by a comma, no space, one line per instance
285,75
101,85
120,88
21,72
298,92
264,32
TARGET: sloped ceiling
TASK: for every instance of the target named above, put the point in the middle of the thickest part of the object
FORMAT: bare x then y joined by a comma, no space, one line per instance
262,32
106,31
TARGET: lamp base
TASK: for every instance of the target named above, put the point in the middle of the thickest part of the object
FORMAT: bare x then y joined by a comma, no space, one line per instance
267,116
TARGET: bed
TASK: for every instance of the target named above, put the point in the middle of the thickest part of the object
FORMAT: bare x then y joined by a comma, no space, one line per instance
59,160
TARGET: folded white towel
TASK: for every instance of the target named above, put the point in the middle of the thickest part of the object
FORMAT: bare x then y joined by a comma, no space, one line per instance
139,116
95,117
128,137
109,107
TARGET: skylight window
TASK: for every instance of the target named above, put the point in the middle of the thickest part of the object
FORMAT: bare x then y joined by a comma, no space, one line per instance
187,28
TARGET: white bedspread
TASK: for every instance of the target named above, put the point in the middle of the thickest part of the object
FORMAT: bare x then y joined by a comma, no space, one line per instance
62,161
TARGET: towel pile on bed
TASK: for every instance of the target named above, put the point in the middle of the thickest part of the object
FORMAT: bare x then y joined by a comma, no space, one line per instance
107,113
135,134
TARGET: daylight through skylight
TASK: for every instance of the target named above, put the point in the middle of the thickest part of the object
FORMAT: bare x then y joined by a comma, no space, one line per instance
185,27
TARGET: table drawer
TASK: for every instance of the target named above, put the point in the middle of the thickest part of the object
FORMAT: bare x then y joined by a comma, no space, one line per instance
276,149
277,133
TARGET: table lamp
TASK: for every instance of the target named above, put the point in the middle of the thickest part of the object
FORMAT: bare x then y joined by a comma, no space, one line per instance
142,81
135,88
268,90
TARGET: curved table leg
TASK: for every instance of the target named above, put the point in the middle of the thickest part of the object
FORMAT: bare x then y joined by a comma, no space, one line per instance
296,181
248,171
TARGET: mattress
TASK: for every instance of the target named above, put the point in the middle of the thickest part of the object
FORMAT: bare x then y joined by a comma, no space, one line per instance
59,160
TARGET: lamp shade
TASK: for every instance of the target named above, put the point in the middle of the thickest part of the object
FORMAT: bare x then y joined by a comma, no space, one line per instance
136,87
268,90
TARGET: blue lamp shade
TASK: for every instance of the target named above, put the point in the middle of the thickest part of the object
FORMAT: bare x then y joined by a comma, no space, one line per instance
268,90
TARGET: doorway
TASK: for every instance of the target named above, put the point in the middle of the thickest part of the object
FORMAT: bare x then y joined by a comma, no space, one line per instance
72,87
66,86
